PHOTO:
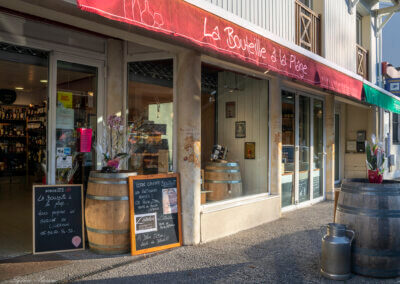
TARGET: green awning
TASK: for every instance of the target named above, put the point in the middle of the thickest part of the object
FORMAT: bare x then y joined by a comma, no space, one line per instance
376,97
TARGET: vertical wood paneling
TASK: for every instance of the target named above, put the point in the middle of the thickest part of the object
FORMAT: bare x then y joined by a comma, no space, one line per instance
275,16
340,34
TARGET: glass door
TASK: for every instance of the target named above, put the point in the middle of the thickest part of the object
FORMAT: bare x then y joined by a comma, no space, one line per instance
288,148
302,148
76,112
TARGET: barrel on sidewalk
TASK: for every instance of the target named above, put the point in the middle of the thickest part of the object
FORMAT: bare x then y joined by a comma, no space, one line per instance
107,212
373,212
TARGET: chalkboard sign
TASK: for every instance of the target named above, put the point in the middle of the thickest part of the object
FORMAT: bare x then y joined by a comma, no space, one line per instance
155,212
57,218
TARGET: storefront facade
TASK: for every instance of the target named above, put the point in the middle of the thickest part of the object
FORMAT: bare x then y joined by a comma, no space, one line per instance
274,108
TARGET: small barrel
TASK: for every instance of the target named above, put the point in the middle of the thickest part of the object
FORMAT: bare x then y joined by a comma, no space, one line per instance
107,212
373,212
223,180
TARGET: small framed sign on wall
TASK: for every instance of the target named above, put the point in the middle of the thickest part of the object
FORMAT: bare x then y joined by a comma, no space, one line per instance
250,150
230,109
240,129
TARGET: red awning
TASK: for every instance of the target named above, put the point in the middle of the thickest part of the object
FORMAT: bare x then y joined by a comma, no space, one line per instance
186,22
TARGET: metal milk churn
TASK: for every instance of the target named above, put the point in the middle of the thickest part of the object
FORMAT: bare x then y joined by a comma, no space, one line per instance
336,252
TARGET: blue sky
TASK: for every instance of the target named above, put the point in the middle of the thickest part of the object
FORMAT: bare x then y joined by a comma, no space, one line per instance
391,41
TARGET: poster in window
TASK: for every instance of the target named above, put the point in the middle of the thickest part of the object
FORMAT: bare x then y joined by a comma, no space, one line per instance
240,129
230,109
250,150
170,200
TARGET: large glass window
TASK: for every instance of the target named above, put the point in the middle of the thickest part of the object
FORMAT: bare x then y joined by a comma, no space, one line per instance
150,113
76,122
234,134
395,125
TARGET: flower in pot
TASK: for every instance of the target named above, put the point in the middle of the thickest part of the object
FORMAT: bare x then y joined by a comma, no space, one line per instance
375,160
113,147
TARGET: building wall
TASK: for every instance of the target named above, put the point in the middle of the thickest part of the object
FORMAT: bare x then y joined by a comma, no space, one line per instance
252,107
271,15
340,33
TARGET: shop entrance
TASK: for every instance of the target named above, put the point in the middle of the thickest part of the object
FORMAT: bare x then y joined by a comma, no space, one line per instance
48,107
302,148
23,142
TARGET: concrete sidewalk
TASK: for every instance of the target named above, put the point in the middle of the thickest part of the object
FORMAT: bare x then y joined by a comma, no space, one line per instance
284,251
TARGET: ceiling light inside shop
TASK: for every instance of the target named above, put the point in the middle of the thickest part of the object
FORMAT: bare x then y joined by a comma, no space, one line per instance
43,81
90,94
19,88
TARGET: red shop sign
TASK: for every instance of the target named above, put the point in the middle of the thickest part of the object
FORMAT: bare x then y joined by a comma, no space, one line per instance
186,22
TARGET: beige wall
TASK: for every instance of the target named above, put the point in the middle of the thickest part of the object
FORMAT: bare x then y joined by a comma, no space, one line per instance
357,118
221,223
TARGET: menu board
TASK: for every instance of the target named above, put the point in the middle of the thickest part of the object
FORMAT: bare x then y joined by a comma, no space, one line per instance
57,218
155,212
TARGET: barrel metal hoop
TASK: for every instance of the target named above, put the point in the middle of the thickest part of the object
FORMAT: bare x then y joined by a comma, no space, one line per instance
367,191
222,171
368,271
104,246
107,198
223,181
224,165
378,213
107,181
111,175
100,231
374,252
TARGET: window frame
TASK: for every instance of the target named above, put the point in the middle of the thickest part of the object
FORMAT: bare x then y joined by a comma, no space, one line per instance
395,123
359,29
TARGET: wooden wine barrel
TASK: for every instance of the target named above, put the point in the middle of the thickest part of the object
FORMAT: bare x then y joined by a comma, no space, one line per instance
223,180
107,212
373,212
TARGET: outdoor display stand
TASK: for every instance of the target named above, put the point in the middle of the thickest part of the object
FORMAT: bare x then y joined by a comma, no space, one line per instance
155,212
58,218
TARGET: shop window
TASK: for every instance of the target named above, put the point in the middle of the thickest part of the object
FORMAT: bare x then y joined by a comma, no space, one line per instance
396,132
76,122
150,115
234,134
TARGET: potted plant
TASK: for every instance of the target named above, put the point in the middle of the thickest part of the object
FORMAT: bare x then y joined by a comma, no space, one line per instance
107,192
375,160
113,149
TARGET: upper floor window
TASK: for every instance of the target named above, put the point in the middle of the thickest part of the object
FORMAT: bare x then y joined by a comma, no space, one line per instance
359,29
308,26
308,3
361,52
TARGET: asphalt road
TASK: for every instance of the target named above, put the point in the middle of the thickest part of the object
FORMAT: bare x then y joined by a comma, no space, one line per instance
284,251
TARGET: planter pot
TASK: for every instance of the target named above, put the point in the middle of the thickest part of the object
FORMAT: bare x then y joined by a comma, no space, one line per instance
374,176
373,212
107,212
